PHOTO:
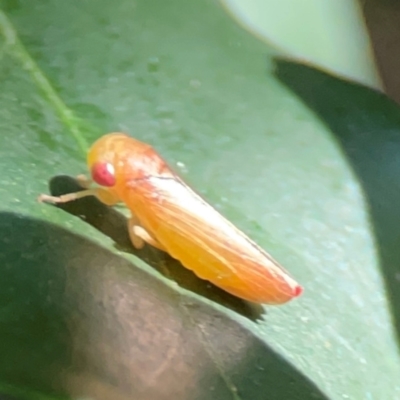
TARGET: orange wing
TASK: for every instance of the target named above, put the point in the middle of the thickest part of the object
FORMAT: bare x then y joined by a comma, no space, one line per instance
205,242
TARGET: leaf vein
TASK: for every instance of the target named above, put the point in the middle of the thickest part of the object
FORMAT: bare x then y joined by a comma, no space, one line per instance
20,53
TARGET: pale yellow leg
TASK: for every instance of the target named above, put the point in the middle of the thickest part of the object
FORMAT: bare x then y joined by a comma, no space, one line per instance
139,235
137,241
84,181
104,195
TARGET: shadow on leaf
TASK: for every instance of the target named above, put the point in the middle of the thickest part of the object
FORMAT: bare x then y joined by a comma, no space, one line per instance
366,124
79,320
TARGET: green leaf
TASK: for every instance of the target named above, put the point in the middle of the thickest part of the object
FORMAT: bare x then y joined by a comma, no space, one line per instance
331,34
304,163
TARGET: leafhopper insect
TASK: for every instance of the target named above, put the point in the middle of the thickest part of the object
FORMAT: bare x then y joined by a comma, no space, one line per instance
170,216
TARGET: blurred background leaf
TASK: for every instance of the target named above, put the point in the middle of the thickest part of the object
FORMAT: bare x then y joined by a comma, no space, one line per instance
330,34
305,163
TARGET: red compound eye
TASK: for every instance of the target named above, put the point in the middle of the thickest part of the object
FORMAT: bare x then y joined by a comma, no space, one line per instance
103,174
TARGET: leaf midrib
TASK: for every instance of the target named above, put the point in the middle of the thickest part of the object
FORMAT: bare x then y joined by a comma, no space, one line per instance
21,54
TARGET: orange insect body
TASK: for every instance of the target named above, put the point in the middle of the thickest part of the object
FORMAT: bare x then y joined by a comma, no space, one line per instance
180,222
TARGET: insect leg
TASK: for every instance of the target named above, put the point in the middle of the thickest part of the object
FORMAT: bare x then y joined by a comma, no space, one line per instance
137,241
144,235
104,195
84,181
139,235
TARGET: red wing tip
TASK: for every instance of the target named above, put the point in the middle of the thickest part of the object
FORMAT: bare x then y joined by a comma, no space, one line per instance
298,290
